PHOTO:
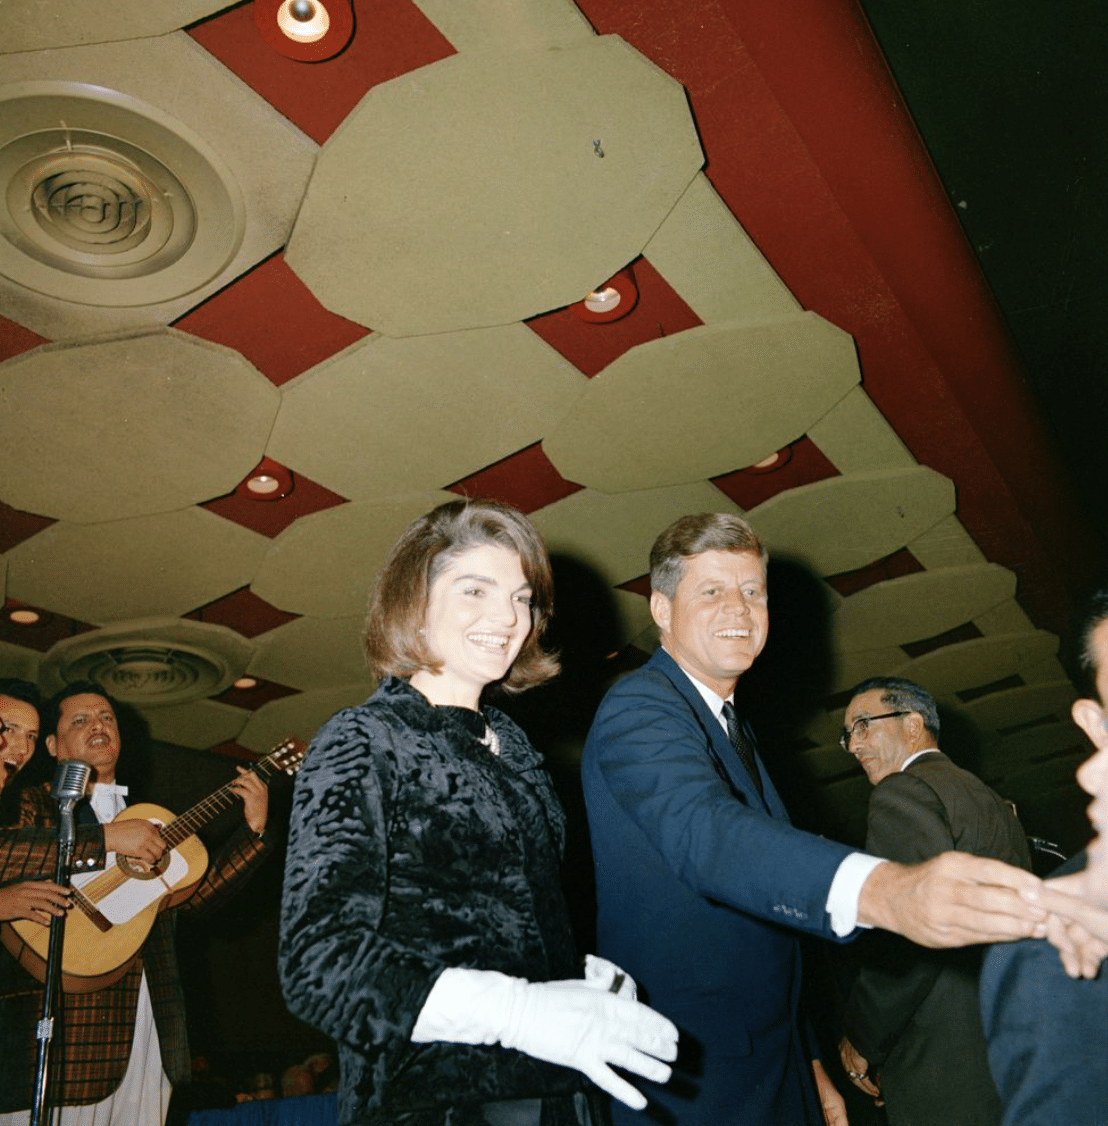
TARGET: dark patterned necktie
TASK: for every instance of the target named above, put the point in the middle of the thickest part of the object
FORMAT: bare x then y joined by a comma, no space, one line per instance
741,744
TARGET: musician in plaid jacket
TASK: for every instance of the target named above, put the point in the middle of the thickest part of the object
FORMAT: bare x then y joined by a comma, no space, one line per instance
115,1047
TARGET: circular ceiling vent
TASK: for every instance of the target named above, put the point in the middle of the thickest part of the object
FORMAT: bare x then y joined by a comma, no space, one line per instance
158,663
106,200
147,674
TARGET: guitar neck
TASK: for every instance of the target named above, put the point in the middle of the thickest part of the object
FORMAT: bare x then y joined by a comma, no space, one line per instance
192,820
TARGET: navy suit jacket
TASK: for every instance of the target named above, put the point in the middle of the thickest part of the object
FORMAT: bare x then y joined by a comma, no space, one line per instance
1047,1033
701,885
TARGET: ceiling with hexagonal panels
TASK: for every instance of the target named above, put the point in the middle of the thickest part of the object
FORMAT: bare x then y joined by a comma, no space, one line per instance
611,263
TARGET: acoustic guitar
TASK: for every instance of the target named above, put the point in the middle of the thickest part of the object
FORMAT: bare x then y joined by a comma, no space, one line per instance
114,909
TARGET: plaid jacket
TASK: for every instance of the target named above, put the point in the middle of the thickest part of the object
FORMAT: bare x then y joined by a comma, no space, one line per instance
90,1049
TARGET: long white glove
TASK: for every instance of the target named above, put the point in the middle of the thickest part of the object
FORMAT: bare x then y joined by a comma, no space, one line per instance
578,1024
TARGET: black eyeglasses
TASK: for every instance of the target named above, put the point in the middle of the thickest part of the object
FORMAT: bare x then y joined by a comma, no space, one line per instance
862,724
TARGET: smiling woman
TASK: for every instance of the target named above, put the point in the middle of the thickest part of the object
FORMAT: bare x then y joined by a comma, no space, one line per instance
423,925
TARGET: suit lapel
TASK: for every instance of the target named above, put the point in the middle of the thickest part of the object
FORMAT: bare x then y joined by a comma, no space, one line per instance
723,754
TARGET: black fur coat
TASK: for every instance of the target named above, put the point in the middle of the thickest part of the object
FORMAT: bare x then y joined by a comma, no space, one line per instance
413,848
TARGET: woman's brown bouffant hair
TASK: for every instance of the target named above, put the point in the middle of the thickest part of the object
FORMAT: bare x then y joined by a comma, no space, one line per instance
394,643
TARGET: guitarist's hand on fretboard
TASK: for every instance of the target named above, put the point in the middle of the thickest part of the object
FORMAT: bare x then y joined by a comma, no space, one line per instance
255,798
139,839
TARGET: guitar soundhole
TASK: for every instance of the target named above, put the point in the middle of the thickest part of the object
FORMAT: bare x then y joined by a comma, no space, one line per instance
138,870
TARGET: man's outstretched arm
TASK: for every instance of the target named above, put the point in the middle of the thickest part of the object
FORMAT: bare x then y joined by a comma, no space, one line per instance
953,900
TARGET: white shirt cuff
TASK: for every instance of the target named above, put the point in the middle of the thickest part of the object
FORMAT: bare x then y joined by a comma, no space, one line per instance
846,890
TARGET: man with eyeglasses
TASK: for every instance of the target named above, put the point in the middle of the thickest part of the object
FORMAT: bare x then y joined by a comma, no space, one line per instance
913,1036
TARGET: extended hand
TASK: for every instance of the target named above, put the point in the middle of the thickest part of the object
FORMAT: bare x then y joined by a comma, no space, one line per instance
255,797
953,900
36,900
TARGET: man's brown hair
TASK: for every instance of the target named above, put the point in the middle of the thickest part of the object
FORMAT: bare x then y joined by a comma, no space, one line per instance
692,535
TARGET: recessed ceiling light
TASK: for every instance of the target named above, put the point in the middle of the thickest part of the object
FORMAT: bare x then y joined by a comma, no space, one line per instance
25,616
269,481
246,682
263,484
608,302
303,21
308,31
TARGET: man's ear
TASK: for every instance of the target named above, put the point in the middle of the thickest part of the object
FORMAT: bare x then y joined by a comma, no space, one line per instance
1089,716
52,745
660,610
916,727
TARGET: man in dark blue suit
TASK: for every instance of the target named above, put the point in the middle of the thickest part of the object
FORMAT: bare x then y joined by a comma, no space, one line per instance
701,880
1047,1032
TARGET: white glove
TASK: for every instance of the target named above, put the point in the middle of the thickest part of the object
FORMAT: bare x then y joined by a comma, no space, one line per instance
577,1024
602,974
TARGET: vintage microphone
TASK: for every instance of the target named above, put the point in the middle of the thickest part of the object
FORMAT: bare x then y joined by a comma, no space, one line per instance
70,782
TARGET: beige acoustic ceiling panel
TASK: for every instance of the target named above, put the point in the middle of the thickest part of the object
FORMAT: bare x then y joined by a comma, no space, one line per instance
15,660
507,23
844,523
821,764
635,621
134,426
703,402
1003,711
489,187
154,663
389,416
852,667
985,660
918,606
311,653
201,724
855,437
34,25
162,565
1042,780
325,563
136,179
1002,756
299,716
703,252
612,533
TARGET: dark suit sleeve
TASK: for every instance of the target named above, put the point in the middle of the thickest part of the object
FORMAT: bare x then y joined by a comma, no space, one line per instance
650,753
907,823
1046,1035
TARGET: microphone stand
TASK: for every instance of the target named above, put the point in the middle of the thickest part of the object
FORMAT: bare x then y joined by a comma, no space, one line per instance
45,1030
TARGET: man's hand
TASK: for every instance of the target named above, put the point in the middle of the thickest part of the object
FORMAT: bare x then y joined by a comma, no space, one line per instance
834,1108
36,900
135,837
953,900
255,797
1077,928
857,1069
